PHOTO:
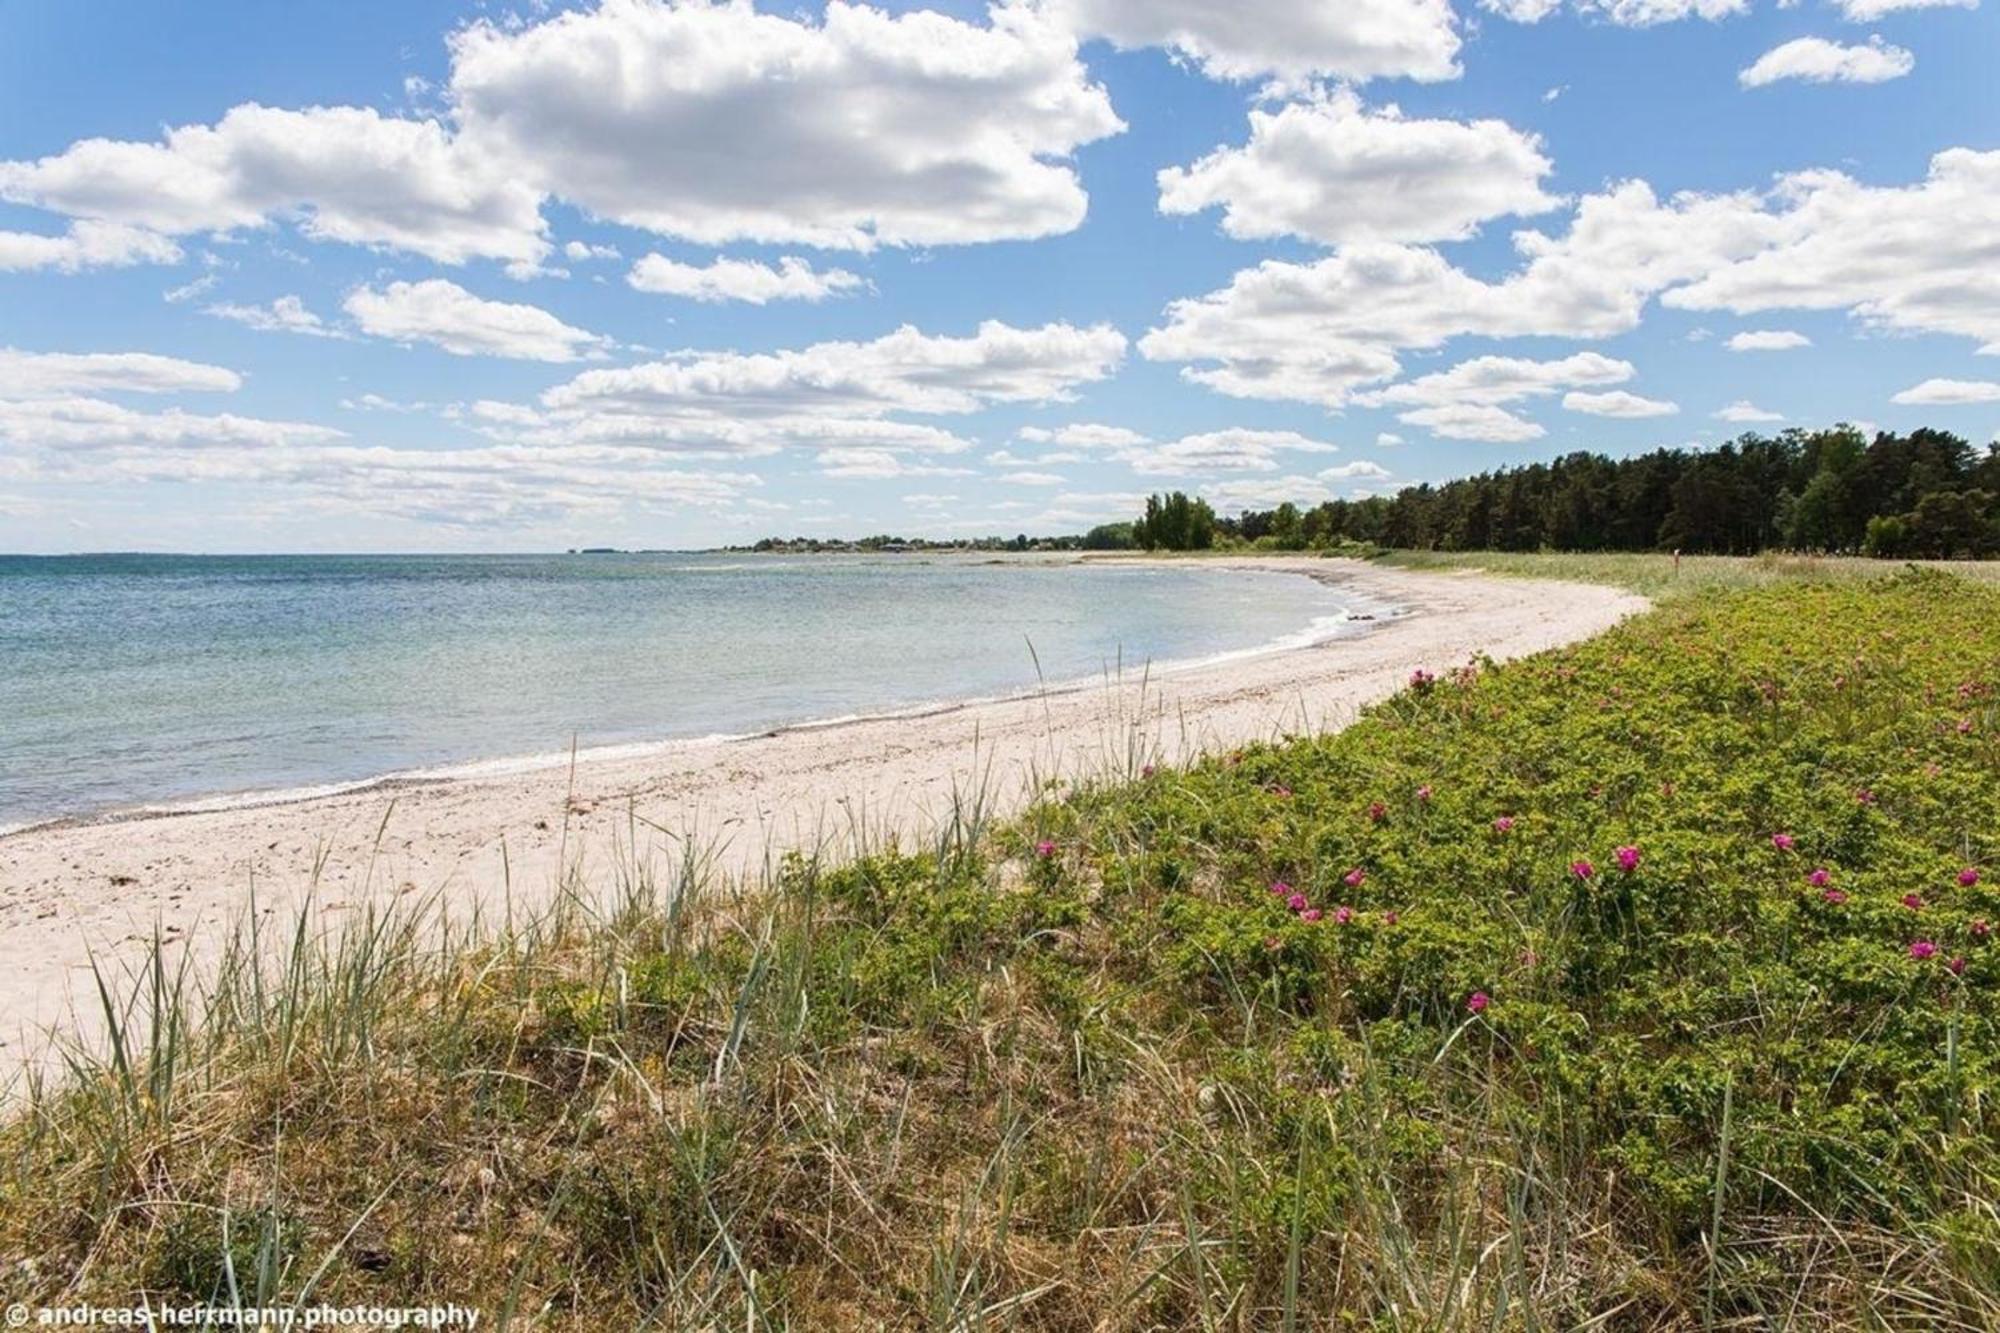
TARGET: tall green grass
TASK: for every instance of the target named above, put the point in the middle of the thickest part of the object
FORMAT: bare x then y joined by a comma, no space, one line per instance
1657,575
1084,1070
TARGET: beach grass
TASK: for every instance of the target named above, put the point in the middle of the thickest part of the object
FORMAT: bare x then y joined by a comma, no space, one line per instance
1658,575
1645,983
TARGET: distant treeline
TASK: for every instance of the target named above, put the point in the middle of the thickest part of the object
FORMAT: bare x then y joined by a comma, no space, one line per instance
1928,493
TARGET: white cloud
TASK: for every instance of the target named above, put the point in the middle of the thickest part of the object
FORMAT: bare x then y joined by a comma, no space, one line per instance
94,424
1329,170
1767,340
904,371
86,244
1949,393
1474,421
341,173
1915,258
1353,39
718,123
25,374
1031,478
1867,11
741,280
287,314
1524,11
1743,410
578,252
1360,469
1816,60
879,464
1493,380
1388,440
1618,403
1082,435
1232,450
446,315
1647,13
1909,259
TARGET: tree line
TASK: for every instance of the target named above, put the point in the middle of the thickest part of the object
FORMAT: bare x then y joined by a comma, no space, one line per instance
1928,493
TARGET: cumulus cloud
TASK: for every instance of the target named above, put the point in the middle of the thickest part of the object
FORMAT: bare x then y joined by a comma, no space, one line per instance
34,374
1500,379
718,123
1082,435
1474,421
1867,11
448,316
880,464
86,244
1949,393
287,314
1647,13
1329,170
1767,340
340,173
793,279
83,423
904,371
1743,410
1817,60
1916,258
1618,403
1246,39
1232,450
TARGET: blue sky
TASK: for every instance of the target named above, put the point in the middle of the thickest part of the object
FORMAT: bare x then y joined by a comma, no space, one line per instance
446,276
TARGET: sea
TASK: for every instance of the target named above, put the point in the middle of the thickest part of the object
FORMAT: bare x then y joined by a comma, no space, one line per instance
155,682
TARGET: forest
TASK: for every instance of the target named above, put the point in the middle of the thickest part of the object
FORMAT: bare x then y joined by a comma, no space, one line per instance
1925,494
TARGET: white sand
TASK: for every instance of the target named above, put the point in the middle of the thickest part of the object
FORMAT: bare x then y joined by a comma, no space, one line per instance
70,892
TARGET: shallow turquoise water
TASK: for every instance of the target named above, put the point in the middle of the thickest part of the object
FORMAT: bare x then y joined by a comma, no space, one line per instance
140,680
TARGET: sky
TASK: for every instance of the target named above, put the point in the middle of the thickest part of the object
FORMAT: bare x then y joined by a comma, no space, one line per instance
403,275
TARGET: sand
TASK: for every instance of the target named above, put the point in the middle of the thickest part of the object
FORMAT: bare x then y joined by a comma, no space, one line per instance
69,893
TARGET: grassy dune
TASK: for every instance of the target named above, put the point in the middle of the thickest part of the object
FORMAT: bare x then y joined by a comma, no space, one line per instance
1656,576
1643,984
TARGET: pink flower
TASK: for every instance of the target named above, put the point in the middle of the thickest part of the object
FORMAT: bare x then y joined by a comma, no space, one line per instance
1147,771
1424,793
1377,811
1354,878
1311,914
1582,869
1628,859
1957,966
1342,915
1968,877
1914,901
1865,797
1477,1001
1922,949
1280,889
1834,896
1297,902
1820,878
1980,930
1421,679
1965,726
1045,849
1273,942
1391,918
1504,824
1782,841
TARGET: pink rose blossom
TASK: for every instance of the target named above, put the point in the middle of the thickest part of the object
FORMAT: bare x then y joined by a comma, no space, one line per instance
1582,869
1504,824
1297,902
1342,915
1424,793
1280,889
1968,877
1980,930
1354,878
1834,896
1865,796
1820,878
1957,966
1045,849
1477,1001
1922,949
1377,811
1782,841
1421,679
1914,901
1311,914
1390,918
1628,859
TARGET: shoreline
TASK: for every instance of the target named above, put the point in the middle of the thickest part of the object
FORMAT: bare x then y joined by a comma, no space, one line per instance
665,747
71,892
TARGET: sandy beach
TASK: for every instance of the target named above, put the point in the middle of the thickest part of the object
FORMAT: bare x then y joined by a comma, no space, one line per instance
69,893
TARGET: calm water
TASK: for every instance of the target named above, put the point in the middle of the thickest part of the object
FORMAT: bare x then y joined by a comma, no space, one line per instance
143,680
